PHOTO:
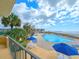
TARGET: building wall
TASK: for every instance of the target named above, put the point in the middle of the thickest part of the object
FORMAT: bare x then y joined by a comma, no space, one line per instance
3,41
6,7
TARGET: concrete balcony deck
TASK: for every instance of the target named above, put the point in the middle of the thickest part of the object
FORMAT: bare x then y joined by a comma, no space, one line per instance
4,51
5,54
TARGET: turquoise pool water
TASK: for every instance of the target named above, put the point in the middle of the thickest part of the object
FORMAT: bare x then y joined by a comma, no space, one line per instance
55,38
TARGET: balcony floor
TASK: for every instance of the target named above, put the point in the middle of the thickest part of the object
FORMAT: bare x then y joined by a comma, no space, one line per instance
5,54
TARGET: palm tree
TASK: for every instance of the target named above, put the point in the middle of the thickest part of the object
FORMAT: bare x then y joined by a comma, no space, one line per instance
11,21
5,21
19,34
28,28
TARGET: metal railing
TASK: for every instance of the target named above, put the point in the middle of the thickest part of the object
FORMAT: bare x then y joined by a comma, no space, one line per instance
18,51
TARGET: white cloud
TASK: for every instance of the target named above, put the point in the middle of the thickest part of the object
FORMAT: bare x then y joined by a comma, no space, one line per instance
51,22
71,3
20,8
49,13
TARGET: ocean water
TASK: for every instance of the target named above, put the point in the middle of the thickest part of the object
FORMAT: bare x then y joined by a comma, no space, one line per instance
56,38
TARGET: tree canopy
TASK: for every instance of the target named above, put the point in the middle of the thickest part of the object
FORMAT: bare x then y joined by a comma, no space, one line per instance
11,21
28,28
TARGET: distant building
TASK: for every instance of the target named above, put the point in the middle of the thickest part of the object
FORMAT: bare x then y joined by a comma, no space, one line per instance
39,30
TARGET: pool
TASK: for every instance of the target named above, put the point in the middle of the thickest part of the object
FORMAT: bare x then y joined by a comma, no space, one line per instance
55,38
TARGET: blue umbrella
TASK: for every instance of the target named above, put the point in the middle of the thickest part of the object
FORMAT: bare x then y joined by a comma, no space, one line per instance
33,39
65,49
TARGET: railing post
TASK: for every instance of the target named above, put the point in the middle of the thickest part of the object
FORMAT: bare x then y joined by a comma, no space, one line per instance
16,48
25,54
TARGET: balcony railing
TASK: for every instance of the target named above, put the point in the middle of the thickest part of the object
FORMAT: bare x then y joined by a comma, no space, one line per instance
18,51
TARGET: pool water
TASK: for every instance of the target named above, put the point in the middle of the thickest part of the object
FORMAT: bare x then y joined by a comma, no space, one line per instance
55,38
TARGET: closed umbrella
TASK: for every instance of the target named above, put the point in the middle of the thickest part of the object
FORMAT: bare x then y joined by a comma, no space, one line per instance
65,49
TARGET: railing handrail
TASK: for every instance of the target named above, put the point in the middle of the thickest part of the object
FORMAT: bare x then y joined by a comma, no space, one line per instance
25,49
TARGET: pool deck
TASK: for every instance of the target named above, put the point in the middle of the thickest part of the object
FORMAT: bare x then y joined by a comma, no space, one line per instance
44,54
47,45
44,50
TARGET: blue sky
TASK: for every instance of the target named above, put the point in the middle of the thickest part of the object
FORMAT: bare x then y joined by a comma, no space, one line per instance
52,15
30,4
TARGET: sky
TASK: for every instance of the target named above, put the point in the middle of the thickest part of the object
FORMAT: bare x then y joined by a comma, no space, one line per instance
51,15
